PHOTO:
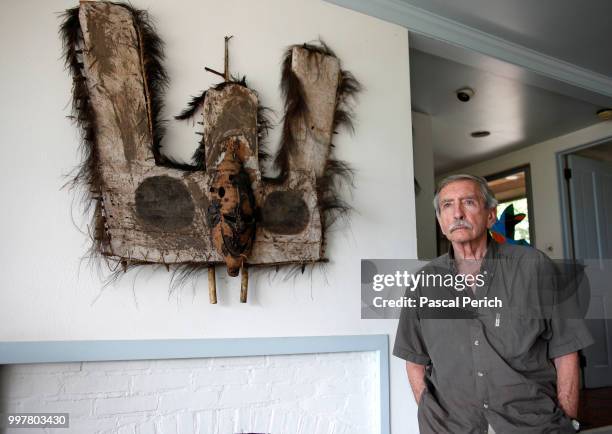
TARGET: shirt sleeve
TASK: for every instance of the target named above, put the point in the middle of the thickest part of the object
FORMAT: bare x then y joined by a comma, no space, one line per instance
409,343
569,332
568,335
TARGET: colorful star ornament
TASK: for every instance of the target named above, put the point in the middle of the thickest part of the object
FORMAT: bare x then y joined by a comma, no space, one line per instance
502,230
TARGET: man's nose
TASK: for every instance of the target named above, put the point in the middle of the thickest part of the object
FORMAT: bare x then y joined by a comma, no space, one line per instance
458,212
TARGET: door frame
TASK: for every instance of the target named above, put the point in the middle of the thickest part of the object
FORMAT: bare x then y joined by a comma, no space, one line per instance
564,197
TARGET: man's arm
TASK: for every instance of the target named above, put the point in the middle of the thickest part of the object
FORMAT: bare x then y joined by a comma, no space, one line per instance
568,383
416,377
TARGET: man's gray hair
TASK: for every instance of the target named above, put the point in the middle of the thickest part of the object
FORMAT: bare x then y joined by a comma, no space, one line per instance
487,194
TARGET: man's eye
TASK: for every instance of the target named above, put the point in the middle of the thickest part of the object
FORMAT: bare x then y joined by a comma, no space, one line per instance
469,202
445,205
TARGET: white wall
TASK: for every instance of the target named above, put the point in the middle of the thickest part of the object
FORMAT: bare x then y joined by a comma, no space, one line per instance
297,394
544,180
48,294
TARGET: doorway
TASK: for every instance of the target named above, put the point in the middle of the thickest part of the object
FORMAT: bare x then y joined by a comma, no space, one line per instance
585,174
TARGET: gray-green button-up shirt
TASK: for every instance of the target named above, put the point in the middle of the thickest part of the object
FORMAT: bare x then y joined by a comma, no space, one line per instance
493,367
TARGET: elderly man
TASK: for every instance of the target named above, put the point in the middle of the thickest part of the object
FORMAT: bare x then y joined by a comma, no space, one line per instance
497,371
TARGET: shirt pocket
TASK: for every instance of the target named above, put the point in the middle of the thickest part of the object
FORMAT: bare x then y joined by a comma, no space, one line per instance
514,334
430,415
536,409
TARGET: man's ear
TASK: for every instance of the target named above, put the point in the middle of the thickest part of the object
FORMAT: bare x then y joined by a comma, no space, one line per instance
491,217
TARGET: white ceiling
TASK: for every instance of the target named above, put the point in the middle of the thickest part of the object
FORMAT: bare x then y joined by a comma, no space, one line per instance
540,69
515,113
570,30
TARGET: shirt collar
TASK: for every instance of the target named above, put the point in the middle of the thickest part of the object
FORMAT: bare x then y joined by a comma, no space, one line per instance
491,253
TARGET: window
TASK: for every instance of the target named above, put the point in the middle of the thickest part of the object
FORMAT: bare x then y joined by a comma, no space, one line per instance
512,188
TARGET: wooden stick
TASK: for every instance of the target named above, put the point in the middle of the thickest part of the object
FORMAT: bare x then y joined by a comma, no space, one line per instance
212,285
226,70
244,287
214,72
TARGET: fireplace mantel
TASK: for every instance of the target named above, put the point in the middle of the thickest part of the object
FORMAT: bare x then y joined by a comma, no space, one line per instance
115,350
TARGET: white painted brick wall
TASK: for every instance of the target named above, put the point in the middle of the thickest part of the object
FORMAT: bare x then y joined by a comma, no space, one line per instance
334,393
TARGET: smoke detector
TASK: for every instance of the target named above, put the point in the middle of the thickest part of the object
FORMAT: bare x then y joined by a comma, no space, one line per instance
464,94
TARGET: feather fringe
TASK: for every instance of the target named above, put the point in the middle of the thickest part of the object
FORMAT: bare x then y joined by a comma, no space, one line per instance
331,205
338,173
86,178
192,107
87,174
186,272
196,103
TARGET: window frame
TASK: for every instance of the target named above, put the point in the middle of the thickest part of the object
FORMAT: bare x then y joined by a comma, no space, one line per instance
528,192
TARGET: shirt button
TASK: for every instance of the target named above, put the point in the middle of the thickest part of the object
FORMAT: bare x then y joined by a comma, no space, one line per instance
485,405
480,374
476,342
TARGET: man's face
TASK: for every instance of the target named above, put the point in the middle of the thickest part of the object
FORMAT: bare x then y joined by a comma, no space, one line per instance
463,214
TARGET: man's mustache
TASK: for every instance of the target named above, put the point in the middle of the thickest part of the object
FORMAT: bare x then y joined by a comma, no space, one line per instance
460,224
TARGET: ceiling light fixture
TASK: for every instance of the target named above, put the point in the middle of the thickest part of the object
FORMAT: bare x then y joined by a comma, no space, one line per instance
605,114
479,134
